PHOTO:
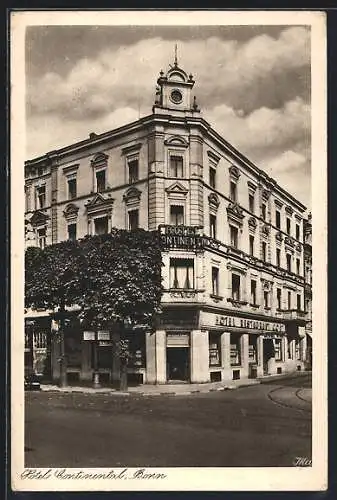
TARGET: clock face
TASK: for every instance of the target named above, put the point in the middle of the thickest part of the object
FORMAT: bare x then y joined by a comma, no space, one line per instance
176,96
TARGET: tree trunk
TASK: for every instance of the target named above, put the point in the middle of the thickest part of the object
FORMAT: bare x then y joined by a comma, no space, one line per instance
63,361
123,386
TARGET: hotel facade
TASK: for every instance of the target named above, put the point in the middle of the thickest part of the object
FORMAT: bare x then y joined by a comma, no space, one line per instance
232,247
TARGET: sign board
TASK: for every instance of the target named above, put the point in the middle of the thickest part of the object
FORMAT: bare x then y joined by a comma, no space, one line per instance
251,324
88,335
103,335
105,343
178,340
271,336
185,237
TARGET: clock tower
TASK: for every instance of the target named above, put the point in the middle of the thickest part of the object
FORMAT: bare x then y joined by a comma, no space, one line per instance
173,90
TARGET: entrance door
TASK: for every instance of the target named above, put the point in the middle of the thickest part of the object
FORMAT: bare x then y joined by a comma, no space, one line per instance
268,352
178,363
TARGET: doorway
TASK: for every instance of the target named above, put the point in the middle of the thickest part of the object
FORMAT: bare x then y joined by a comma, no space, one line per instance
178,363
268,353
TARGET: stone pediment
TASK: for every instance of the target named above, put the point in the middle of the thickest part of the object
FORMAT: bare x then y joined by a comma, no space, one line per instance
177,188
176,140
100,159
265,230
288,241
234,172
235,212
99,202
38,218
132,194
213,200
71,210
252,222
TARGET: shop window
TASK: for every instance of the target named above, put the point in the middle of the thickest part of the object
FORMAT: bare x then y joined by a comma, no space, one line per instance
136,350
234,234
41,237
214,349
72,188
297,231
176,166
264,250
278,349
100,181
299,302
264,211
278,257
176,215
253,292
182,273
251,203
233,191
212,177
251,245
133,219
235,287
133,171
72,232
298,266
288,225
40,197
289,300
101,225
278,219
288,256
212,226
298,350
252,349
235,352
279,298
215,280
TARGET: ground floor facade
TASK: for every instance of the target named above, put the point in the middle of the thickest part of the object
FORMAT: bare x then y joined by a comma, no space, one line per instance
189,345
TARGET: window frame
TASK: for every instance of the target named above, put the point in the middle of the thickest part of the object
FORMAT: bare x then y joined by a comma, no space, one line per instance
72,196
215,280
234,231
131,162
96,219
133,211
233,188
213,226
277,219
253,292
212,177
188,279
236,277
72,225
173,157
99,172
174,208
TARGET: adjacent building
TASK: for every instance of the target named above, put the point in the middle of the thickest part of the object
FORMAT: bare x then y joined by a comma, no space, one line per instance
233,246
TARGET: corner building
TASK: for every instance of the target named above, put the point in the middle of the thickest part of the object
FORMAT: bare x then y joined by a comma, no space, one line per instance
232,240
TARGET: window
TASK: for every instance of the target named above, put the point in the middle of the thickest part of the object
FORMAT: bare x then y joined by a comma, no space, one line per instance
253,292
298,266
214,349
298,350
72,232
133,219
266,298
279,298
235,340
234,236
288,225
40,197
235,287
233,191
297,231
182,273
289,262
100,181
40,171
289,300
278,349
264,250
251,244
212,177
251,203
72,189
101,225
299,304
176,215
41,236
212,226
278,219
264,211
215,280
252,349
278,257
176,166
133,171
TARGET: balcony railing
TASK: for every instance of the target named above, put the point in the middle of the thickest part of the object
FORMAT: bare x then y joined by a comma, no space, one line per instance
293,314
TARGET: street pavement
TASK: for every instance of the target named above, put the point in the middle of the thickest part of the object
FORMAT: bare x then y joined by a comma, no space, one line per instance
268,424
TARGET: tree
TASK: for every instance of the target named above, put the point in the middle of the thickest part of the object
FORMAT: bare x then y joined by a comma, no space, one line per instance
123,276
53,280
114,278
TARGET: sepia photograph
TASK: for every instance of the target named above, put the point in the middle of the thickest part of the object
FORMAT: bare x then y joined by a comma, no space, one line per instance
165,313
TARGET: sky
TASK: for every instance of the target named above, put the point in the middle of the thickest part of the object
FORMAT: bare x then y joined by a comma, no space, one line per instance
252,85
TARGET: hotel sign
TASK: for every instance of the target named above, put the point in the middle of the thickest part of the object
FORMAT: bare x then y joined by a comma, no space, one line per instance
251,324
185,237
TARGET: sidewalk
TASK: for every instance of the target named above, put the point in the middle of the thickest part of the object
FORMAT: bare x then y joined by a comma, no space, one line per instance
157,389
